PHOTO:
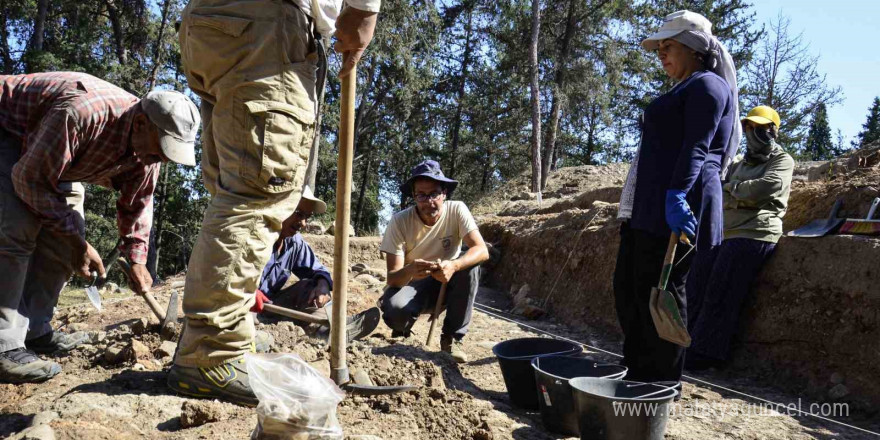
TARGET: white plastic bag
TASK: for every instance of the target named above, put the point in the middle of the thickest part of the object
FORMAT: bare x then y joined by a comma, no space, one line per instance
296,402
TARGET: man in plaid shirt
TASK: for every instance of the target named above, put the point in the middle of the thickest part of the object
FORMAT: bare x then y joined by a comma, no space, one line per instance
57,130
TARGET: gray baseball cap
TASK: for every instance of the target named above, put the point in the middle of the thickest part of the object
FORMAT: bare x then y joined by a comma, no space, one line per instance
178,121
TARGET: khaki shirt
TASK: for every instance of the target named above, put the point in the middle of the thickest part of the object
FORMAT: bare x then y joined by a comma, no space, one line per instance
408,236
758,199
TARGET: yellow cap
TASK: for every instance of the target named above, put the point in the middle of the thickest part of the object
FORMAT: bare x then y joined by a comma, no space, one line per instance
763,115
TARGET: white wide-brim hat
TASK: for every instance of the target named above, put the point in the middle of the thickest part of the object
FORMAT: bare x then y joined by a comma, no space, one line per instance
309,200
676,23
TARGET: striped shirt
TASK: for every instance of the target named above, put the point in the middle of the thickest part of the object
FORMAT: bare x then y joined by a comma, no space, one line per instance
76,128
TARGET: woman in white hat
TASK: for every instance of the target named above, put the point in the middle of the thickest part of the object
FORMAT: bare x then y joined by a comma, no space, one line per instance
689,135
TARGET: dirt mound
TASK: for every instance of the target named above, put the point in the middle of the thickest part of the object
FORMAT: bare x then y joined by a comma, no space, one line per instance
813,310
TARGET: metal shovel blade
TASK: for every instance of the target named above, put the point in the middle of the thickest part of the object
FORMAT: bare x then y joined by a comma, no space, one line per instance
94,296
667,318
374,390
822,227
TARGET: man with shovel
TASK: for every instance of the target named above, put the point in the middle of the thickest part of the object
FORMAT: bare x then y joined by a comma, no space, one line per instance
291,255
422,247
253,63
56,130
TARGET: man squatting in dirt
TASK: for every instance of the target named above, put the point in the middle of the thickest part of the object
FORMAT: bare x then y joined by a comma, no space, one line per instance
422,247
57,130
253,63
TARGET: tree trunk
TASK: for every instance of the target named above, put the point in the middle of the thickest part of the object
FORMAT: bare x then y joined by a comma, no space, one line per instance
536,97
465,64
116,25
558,94
5,55
157,52
158,226
365,180
39,25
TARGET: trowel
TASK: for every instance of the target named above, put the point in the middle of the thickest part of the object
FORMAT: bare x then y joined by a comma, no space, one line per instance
168,318
92,290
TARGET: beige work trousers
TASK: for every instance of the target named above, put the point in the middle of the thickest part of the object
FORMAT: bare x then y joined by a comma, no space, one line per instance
36,261
253,63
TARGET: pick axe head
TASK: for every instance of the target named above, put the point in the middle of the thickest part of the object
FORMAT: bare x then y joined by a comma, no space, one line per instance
169,324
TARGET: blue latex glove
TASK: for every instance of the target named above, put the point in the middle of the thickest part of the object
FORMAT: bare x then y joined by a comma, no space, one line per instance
678,214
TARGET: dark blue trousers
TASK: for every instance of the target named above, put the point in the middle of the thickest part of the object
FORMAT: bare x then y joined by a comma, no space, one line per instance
718,284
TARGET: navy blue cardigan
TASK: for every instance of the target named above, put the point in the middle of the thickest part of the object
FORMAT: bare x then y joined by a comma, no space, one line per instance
684,137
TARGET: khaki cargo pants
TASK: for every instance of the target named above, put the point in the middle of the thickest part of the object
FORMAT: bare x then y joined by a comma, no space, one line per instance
253,64
35,261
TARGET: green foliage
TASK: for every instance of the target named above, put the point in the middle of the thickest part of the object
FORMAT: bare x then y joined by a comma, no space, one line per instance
818,145
871,128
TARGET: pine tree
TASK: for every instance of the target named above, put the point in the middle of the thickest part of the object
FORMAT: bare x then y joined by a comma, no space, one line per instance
871,128
819,145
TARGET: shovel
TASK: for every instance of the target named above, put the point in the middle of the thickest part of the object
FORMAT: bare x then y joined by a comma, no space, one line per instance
868,226
338,341
820,228
664,309
168,318
358,326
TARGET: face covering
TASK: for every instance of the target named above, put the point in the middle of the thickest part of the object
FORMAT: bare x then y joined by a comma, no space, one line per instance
760,143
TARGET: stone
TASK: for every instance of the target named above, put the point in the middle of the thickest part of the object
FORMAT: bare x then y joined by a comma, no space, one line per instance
361,377
77,327
115,354
139,367
839,391
166,349
139,351
436,379
367,279
322,366
44,418
314,228
359,267
41,432
199,412
96,337
332,229
140,326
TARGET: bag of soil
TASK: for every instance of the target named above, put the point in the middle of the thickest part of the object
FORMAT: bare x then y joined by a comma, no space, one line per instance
296,402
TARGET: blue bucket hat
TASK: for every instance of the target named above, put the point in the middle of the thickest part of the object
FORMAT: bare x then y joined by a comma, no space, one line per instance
429,169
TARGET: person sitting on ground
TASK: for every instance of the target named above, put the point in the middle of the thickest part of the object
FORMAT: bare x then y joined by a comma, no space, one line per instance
755,200
57,130
422,247
292,255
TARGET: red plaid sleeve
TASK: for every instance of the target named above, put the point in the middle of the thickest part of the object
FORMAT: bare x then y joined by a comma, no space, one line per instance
134,211
36,175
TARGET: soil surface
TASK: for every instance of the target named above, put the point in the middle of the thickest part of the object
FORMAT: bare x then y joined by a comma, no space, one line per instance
97,397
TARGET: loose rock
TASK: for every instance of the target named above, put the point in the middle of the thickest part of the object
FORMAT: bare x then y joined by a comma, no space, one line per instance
166,349
198,412
139,351
140,326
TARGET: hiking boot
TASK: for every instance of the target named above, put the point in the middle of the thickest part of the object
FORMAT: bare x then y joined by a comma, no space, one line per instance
227,382
450,345
56,341
23,366
263,342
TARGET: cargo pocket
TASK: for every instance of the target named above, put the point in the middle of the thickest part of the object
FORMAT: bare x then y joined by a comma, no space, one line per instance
232,26
275,135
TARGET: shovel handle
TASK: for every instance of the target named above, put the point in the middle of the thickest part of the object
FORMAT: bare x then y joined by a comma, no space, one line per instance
437,308
668,261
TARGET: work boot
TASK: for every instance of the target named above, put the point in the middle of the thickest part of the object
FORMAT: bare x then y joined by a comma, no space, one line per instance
263,342
20,365
56,341
227,382
450,345
401,333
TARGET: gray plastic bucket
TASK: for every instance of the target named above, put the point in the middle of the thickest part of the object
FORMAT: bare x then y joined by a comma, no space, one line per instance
621,410
555,397
515,359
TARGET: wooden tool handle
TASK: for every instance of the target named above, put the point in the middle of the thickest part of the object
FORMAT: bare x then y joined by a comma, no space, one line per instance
668,261
290,313
151,301
437,308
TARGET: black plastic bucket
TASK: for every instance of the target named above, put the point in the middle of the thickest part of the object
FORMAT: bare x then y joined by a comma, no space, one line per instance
515,357
555,397
621,410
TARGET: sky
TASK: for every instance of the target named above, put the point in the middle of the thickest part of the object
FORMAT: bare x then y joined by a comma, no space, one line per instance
845,34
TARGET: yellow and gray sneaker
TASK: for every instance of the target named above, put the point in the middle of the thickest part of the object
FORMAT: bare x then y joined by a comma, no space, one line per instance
20,365
227,382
